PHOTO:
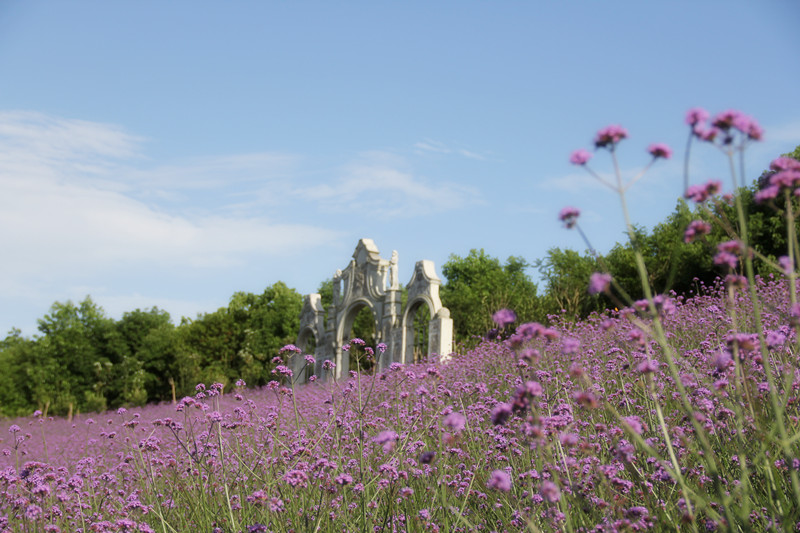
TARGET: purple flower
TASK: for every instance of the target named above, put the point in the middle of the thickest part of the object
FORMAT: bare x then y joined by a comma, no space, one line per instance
500,413
648,366
586,399
569,216
275,505
659,150
737,282
533,389
696,228
610,136
499,480
455,421
344,479
701,193
290,348
570,346
504,317
426,458
580,157
726,258
785,179
387,439
770,192
786,264
599,282
733,247
296,478
550,491
726,119
784,163
282,370
635,423
696,115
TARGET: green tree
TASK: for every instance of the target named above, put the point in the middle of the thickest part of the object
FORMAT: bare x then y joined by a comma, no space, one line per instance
15,391
478,285
152,343
73,365
566,275
240,340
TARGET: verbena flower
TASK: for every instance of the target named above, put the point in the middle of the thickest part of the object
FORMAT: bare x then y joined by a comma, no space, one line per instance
609,136
599,282
696,116
580,157
500,413
499,480
290,348
659,150
696,229
569,216
455,421
701,193
550,491
504,317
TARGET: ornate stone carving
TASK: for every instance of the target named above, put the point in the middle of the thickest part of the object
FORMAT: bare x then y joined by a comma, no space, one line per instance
364,283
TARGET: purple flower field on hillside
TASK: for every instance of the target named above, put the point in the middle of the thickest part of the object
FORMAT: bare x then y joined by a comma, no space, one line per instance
563,433
674,412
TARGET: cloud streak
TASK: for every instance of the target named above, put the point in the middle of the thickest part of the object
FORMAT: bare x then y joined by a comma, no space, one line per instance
71,207
380,183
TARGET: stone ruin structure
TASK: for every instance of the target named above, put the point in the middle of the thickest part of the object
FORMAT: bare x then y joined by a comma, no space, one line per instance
372,282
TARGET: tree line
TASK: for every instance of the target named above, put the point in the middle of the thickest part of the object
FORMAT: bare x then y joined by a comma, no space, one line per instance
82,360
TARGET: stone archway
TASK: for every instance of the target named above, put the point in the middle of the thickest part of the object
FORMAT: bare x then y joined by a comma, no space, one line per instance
423,290
372,281
345,327
312,327
417,331
307,342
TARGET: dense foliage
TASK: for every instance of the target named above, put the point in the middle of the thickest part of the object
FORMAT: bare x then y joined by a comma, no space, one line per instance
477,285
82,360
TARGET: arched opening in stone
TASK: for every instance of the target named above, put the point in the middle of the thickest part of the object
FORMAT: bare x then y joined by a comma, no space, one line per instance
307,342
417,332
360,324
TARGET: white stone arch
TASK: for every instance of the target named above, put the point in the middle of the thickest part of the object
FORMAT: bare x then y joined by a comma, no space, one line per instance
372,281
409,315
344,328
298,362
423,289
312,324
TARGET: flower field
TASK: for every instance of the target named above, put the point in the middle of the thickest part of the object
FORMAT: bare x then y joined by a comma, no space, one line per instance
583,428
676,412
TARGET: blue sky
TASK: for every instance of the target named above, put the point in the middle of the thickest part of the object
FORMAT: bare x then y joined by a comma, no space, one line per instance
171,153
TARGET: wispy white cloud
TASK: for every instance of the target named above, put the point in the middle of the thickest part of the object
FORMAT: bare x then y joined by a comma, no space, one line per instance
573,182
430,146
58,139
55,221
382,183
785,133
